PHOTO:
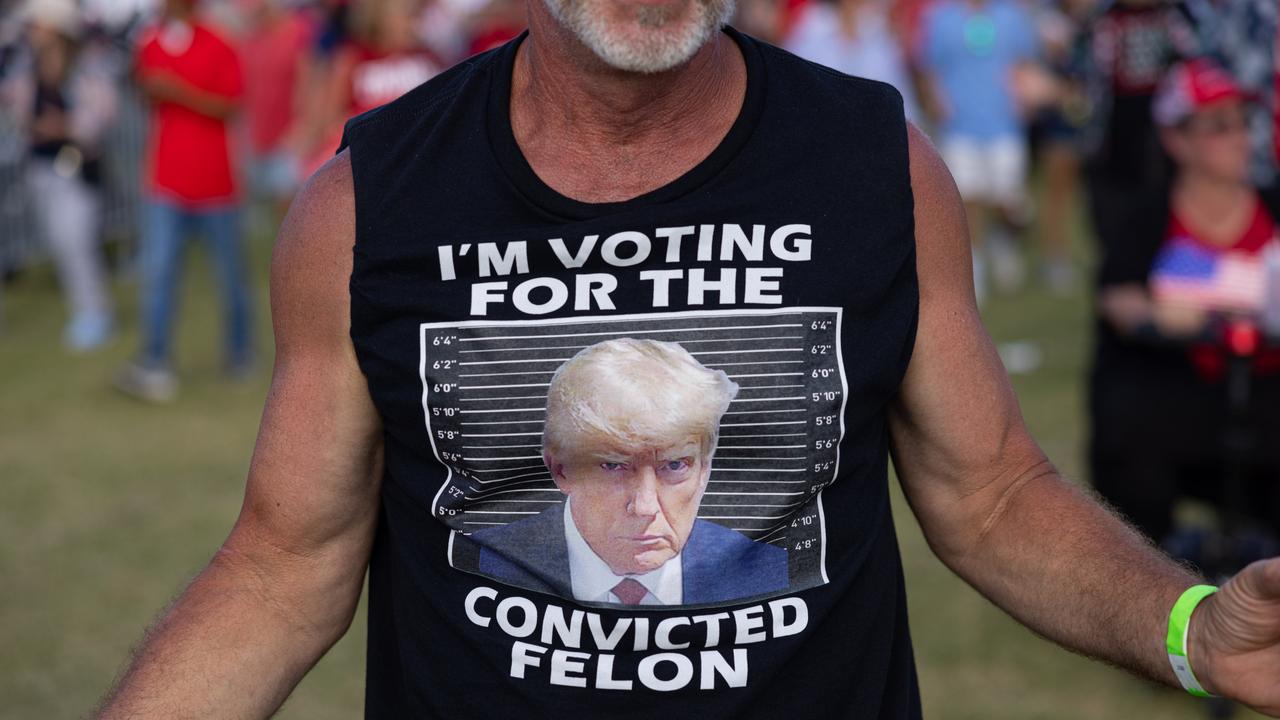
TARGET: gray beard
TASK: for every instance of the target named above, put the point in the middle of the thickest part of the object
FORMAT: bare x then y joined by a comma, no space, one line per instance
655,50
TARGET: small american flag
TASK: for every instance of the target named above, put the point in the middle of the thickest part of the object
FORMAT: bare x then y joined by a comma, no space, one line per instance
1192,275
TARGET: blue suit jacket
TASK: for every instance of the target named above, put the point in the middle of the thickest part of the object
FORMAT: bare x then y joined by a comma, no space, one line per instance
719,564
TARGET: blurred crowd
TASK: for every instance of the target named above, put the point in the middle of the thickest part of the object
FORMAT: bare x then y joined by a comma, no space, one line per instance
147,120
137,125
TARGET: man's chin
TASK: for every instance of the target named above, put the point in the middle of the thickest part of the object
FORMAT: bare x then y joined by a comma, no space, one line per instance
642,36
646,49
648,561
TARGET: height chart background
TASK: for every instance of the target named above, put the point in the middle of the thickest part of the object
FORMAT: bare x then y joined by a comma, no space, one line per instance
484,389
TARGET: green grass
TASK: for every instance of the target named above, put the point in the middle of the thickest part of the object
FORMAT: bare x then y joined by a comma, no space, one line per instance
107,507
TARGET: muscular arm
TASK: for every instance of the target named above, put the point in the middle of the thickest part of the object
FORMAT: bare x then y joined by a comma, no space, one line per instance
991,505
284,585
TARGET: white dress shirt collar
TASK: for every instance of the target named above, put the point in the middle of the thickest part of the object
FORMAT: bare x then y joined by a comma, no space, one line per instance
593,581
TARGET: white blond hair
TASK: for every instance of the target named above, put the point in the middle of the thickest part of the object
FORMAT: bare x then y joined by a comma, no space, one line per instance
635,393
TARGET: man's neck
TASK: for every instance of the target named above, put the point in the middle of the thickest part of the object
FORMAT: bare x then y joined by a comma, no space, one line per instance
599,134
182,15
1210,193
849,13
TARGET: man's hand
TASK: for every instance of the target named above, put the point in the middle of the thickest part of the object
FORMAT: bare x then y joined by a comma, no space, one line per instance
1179,320
1234,643
1127,307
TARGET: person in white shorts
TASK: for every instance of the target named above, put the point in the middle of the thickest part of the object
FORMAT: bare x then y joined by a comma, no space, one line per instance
992,173
973,49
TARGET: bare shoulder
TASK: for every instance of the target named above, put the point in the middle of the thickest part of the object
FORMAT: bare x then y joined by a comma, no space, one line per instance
930,178
943,259
312,260
321,220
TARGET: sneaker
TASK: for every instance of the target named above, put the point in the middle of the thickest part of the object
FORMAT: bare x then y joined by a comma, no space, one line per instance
155,385
1020,357
1008,270
979,276
87,332
1059,277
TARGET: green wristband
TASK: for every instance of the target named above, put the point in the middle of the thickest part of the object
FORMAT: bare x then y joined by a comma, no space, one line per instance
1176,641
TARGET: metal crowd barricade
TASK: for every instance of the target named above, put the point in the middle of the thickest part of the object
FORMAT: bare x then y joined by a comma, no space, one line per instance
18,238
122,160
20,243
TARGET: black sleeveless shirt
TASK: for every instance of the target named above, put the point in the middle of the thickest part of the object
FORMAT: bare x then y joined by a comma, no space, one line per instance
785,261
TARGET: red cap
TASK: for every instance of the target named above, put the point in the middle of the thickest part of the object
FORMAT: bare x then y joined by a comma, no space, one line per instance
1190,86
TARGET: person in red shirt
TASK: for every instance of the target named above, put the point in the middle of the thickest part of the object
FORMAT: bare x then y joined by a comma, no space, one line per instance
383,59
279,42
192,79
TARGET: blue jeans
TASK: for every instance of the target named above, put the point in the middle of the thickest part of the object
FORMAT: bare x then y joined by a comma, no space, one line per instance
165,231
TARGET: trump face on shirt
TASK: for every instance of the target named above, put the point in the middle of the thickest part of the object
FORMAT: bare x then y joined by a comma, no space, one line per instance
630,433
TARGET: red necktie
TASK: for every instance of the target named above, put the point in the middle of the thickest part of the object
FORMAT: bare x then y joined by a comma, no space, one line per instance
630,591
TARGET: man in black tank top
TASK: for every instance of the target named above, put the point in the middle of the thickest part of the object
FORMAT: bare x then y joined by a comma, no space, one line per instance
593,351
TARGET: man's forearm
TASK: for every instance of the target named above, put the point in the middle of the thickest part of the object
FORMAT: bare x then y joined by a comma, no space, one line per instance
234,644
167,87
1065,566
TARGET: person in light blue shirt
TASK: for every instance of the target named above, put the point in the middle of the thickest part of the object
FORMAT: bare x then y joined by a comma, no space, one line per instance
857,38
972,50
